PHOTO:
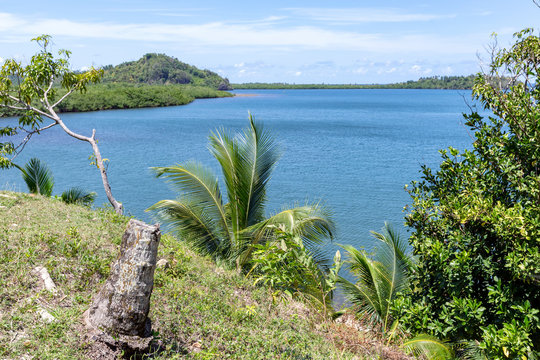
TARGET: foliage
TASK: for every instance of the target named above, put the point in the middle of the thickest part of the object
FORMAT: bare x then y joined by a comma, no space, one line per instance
130,96
433,82
35,91
76,195
228,231
38,177
379,277
163,69
29,91
286,265
476,220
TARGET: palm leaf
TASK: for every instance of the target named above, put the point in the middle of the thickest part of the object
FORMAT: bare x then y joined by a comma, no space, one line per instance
199,185
366,293
430,347
38,177
312,223
379,278
225,149
77,195
258,156
190,222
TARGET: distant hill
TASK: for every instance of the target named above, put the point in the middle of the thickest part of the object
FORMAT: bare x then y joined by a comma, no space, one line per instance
162,69
433,82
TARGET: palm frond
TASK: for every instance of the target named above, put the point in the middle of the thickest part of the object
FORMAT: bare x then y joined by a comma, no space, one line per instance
199,185
430,347
258,155
38,177
225,149
366,293
379,278
191,223
312,223
77,195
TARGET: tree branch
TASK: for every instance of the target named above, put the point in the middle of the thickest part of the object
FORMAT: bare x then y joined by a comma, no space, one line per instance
27,138
63,97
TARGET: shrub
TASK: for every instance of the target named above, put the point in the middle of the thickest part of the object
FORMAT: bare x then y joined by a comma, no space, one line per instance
476,219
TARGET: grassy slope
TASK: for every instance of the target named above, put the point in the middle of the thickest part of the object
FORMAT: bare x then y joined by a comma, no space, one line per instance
198,310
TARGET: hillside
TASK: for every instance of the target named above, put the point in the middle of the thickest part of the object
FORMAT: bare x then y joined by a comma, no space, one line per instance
198,309
163,69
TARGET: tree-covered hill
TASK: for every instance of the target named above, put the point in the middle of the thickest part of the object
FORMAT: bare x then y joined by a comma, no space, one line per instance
163,69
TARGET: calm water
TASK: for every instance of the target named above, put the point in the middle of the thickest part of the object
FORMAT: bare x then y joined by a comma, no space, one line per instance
352,149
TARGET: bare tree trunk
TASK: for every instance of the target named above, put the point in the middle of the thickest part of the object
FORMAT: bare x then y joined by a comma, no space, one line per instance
118,315
104,178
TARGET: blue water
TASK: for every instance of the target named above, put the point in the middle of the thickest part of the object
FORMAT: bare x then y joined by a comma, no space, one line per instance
352,149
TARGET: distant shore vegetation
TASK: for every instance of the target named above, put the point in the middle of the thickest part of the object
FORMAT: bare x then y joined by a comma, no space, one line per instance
433,82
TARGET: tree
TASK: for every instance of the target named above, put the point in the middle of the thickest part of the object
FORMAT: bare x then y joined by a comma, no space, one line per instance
228,231
35,91
476,219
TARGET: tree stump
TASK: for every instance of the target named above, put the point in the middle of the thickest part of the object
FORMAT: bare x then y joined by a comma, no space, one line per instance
118,315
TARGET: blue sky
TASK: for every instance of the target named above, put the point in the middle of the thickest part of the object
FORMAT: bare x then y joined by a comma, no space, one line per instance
274,41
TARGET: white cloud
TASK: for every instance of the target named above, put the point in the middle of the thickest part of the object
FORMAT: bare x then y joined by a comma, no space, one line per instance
364,15
298,73
419,70
219,34
239,65
360,70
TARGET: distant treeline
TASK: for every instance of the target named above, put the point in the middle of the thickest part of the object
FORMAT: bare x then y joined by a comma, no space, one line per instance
433,82
129,96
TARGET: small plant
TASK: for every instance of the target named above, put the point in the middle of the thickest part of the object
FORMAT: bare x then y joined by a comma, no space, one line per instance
379,278
76,195
286,265
38,177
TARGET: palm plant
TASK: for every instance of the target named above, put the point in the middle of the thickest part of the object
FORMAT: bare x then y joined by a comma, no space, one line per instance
38,177
228,231
77,195
379,278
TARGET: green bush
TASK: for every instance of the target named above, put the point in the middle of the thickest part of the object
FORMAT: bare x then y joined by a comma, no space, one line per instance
476,220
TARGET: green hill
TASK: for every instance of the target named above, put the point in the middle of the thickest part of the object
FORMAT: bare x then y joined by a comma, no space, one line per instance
162,69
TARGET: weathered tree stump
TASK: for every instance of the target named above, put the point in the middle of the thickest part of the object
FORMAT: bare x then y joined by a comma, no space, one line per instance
118,315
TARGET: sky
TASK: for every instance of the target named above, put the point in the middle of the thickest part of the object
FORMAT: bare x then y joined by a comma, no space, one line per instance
337,42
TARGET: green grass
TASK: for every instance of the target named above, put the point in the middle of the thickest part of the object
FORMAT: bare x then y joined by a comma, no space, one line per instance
198,310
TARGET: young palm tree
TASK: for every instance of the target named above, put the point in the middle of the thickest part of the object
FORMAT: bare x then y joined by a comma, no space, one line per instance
379,278
77,195
227,231
38,177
